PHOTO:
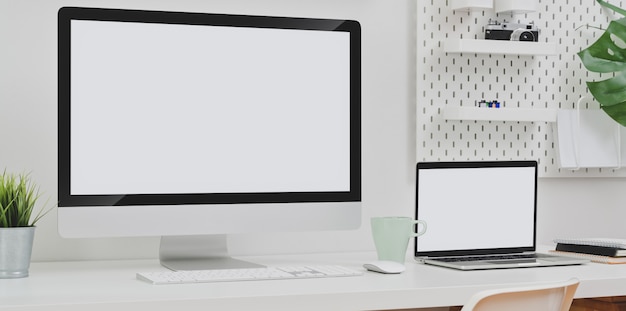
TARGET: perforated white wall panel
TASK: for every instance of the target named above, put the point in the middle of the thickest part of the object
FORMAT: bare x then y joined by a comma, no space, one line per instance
460,79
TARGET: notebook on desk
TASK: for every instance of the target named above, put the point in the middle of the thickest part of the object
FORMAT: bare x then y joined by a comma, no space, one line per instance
480,215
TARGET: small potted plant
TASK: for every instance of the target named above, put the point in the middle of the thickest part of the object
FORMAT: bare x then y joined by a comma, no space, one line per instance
18,196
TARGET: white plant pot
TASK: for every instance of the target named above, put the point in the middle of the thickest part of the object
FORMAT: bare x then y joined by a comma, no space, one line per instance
16,246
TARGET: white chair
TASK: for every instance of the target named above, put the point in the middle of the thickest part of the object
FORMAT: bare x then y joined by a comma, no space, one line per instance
543,297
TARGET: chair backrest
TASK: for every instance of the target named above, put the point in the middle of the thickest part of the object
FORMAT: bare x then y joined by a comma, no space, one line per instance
545,297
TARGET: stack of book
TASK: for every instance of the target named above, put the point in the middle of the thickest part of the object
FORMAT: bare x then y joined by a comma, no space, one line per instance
612,251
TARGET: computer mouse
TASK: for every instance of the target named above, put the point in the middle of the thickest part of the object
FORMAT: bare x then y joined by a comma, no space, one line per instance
385,266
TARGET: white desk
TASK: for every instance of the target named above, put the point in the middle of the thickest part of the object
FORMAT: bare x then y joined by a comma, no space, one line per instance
111,285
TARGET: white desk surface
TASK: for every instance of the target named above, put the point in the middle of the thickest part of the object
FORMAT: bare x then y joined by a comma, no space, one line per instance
111,285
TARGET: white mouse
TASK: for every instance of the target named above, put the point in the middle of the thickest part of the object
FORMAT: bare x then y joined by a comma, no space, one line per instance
385,266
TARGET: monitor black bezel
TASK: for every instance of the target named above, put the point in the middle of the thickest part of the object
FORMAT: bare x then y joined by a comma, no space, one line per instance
67,14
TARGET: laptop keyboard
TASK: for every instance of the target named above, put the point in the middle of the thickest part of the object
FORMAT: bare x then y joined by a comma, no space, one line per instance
489,257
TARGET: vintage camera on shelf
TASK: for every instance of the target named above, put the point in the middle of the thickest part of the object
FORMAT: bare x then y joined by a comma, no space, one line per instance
511,31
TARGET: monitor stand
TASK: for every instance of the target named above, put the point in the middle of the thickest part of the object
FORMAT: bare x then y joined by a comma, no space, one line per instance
198,252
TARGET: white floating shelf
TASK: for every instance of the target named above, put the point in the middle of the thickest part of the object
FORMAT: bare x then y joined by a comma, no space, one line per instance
515,6
470,5
499,114
499,47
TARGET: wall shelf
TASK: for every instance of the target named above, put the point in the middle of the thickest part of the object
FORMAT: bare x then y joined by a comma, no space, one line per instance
471,5
480,46
499,114
515,6
500,6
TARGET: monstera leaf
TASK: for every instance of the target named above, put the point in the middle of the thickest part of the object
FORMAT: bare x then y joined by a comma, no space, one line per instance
608,54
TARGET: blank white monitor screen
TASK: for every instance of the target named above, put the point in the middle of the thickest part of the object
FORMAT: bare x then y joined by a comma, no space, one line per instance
210,121
476,206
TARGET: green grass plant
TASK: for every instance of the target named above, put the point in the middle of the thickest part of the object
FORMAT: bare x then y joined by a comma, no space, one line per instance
18,197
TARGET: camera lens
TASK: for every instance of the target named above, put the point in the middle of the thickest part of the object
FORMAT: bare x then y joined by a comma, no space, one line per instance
526,36
522,35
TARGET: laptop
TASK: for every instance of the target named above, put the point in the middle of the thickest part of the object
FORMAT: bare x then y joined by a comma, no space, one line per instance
480,215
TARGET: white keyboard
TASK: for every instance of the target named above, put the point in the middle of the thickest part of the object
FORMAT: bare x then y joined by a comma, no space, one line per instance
247,274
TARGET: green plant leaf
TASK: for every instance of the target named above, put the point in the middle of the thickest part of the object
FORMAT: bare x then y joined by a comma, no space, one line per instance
608,53
612,7
617,113
609,92
18,196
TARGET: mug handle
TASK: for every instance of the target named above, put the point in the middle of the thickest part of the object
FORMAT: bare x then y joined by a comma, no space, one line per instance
424,227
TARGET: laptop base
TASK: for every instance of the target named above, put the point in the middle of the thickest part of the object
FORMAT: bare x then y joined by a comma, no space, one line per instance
539,260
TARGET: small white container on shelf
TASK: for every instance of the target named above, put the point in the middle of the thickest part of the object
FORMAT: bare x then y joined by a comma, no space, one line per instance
470,5
515,6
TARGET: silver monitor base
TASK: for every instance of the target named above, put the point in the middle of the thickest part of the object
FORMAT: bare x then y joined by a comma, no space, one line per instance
201,252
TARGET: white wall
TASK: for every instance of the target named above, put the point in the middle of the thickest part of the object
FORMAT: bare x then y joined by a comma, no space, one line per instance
28,127
578,207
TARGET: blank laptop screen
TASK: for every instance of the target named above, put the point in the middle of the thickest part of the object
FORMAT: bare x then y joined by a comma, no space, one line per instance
476,205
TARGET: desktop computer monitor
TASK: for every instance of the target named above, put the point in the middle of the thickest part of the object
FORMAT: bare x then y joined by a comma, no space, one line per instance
192,126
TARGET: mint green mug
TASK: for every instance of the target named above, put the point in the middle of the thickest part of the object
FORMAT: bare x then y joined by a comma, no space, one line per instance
392,235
